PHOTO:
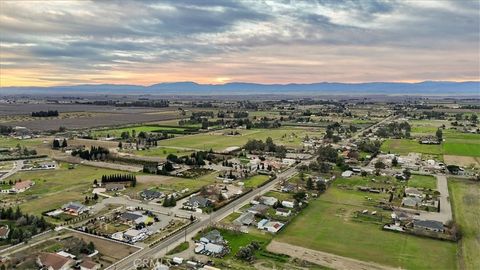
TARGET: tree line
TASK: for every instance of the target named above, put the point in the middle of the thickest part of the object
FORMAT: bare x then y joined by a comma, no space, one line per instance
24,226
48,113
115,178
95,153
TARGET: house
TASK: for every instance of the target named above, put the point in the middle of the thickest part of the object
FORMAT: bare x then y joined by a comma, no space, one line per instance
288,204
4,231
66,254
288,161
283,212
213,236
429,225
114,187
259,209
132,217
149,194
245,219
210,249
270,226
347,173
270,201
197,202
74,208
88,264
133,235
287,188
401,216
413,192
48,165
52,261
21,186
411,201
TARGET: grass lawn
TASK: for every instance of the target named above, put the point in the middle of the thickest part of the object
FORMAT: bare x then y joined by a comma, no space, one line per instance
183,246
163,152
7,142
218,141
55,187
256,180
326,225
465,198
405,146
422,181
461,149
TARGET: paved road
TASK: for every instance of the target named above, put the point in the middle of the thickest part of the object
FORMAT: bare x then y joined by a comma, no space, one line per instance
360,132
160,250
17,165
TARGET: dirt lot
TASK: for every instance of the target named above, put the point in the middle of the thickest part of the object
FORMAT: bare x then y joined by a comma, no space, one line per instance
462,160
111,251
153,179
322,258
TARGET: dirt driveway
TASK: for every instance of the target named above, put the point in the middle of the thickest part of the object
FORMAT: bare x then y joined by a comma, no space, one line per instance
323,258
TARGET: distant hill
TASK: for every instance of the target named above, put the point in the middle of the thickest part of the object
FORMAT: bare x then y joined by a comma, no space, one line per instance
468,88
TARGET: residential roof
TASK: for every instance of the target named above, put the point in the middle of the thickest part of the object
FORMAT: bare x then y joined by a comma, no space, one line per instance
411,201
23,184
151,193
213,236
73,205
53,260
245,219
412,190
214,248
432,224
259,208
201,201
131,216
89,264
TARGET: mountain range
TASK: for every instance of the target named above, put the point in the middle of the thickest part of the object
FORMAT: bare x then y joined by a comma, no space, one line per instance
430,88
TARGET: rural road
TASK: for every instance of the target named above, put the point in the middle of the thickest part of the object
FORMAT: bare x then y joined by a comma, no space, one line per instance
153,253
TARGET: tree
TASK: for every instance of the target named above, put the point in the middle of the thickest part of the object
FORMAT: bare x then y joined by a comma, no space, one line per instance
379,165
300,196
56,144
439,135
120,145
309,183
394,162
64,143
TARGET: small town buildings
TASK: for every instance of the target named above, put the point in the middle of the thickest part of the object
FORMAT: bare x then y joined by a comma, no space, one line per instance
429,225
258,209
347,173
88,264
413,192
195,202
74,208
21,186
283,212
270,201
52,261
133,235
288,204
4,231
149,194
213,237
270,226
114,187
246,219
48,165
411,202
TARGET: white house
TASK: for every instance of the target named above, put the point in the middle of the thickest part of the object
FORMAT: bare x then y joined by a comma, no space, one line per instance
288,204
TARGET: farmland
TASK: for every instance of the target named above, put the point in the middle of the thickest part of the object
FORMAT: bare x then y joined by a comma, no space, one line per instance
465,198
116,132
405,146
163,152
218,141
55,187
326,225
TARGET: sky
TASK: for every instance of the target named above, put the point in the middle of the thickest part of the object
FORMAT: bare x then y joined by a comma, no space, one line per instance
212,41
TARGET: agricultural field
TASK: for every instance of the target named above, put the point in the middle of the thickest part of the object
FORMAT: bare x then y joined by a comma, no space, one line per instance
405,146
327,225
163,152
7,142
53,188
218,141
465,199
116,132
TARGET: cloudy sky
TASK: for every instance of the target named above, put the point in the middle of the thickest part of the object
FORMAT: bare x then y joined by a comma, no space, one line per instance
212,41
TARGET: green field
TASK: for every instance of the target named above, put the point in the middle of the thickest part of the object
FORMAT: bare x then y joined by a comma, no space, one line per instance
422,181
163,152
461,149
55,187
7,142
218,141
405,146
116,132
327,225
465,198
256,180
